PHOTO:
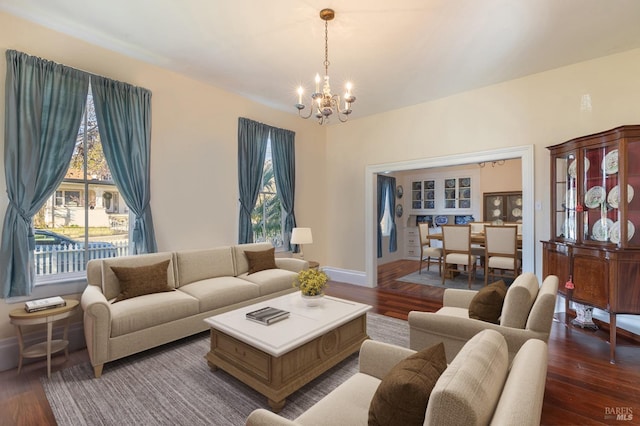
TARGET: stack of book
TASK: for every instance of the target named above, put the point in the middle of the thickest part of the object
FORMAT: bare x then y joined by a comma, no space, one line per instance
42,304
267,315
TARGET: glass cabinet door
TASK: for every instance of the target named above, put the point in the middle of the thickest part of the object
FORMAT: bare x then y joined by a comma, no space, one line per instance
599,179
628,236
566,192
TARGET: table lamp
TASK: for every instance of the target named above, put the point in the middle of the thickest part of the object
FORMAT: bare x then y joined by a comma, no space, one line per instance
301,236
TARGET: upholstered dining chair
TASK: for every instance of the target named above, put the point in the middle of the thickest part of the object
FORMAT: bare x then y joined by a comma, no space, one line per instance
501,252
456,251
428,253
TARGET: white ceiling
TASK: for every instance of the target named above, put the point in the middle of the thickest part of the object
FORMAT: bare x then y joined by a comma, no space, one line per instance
396,53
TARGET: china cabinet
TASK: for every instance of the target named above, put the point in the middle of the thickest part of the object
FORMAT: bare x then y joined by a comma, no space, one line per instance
423,194
457,193
594,215
504,206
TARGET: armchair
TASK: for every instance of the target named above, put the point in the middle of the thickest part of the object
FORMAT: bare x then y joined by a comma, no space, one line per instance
527,313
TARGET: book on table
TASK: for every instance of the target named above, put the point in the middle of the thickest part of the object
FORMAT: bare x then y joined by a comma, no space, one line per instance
267,315
42,304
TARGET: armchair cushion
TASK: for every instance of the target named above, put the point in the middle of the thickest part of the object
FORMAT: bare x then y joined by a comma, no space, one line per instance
486,305
403,394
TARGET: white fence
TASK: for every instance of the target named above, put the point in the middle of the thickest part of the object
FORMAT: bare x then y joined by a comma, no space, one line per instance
58,259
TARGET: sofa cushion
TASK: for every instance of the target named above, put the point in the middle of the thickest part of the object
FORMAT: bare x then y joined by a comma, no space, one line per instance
486,305
402,397
240,260
110,283
214,293
261,260
519,300
469,389
140,280
196,265
144,312
271,280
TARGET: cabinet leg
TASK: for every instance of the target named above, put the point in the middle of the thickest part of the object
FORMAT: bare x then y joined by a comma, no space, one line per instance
612,338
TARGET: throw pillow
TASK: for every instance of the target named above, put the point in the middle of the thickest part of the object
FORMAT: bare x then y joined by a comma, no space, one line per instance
486,305
140,280
261,260
402,396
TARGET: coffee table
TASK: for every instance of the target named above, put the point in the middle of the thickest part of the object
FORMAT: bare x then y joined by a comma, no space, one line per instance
280,358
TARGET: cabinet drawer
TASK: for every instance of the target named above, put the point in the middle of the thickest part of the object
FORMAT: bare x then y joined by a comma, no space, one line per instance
413,251
250,359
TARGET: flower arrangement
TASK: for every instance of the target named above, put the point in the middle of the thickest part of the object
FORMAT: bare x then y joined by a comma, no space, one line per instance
311,282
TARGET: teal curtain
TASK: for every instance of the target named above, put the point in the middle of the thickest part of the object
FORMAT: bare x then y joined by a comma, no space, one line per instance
380,209
386,194
391,196
123,112
284,166
44,102
252,148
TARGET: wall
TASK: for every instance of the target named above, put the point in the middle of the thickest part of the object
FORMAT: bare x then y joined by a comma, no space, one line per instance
539,110
193,148
499,178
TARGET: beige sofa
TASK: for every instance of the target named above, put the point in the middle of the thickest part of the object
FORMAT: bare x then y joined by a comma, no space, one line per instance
527,313
478,387
207,282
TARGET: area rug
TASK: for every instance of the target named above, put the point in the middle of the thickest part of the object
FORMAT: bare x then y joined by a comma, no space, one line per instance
173,385
432,278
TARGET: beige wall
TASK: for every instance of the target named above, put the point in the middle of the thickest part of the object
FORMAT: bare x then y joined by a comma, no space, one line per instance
505,177
539,110
194,146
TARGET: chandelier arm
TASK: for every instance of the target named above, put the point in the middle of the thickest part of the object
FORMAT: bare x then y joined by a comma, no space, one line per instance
305,116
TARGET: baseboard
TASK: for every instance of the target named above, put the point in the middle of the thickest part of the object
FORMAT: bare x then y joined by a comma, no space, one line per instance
9,349
346,276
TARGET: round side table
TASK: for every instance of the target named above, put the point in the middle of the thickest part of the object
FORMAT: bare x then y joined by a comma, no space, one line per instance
20,317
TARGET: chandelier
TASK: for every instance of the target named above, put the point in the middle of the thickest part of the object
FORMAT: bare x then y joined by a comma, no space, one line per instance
324,102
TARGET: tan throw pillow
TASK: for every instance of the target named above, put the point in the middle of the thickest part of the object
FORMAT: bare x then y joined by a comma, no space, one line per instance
140,280
261,260
402,396
486,305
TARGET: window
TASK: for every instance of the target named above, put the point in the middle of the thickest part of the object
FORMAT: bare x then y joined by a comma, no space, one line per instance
387,218
267,216
85,218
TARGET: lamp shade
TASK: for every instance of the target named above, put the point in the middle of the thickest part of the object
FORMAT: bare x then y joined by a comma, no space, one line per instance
301,236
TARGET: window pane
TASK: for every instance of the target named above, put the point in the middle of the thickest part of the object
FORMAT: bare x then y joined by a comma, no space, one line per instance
267,217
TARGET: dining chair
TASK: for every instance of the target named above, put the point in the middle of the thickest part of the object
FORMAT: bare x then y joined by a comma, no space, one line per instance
501,252
456,251
427,252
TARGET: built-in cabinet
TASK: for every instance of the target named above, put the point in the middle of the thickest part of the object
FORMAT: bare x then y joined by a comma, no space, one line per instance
502,206
594,215
412,239
423,194
443,195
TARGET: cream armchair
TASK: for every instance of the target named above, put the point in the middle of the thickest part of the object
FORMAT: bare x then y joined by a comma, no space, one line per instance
527,313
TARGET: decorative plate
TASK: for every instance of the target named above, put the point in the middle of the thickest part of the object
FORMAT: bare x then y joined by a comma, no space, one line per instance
572,167
399,210
614,196
441,220
497,213
615,231
601,228
465,182
610,162
516,212
450,183
399,191
497,201
518,202
595,196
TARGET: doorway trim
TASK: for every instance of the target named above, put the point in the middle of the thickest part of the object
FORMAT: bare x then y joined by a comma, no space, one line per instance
526,155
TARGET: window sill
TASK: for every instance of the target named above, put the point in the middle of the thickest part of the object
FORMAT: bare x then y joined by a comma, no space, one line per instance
59,286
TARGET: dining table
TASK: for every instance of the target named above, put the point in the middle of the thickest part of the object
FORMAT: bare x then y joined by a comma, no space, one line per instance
476,238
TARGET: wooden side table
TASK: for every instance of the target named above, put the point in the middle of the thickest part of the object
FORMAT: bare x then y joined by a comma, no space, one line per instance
20,317
313,264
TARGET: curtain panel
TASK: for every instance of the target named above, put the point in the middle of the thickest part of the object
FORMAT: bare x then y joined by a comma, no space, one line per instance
44,102
123,112
284,166
386,193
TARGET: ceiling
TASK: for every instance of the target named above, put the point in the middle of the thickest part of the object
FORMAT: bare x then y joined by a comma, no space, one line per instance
396,53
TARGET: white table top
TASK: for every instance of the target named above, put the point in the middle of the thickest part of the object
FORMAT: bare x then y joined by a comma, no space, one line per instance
303,325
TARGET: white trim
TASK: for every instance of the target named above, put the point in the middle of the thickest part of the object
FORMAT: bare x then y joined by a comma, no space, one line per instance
9,349
346,276
525,153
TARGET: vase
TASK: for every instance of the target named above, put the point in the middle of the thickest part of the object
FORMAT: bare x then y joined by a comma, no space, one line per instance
312,300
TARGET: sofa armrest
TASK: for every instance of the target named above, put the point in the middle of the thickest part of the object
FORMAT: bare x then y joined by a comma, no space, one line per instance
377,358
292,264
97,324
457,298
262,417
426,329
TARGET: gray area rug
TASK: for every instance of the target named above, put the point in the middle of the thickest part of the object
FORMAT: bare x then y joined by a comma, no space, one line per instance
432,278
173,385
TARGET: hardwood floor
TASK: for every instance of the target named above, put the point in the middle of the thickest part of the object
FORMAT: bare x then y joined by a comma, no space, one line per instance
582,388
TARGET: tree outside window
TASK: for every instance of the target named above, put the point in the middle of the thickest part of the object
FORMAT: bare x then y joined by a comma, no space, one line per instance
267,216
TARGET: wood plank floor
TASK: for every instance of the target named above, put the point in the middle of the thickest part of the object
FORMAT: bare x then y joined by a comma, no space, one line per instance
582,386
